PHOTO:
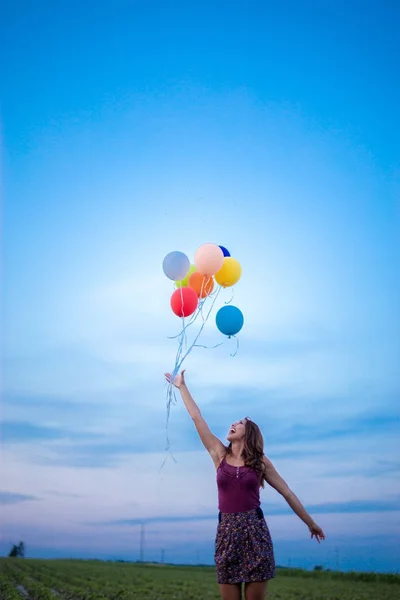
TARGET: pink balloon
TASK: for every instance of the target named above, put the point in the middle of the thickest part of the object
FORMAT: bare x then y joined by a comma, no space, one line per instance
208,259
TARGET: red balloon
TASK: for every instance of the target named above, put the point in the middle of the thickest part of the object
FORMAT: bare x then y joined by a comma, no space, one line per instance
184,302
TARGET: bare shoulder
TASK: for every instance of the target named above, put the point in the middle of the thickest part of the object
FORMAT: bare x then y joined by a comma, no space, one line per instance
268,463
274,478
270,468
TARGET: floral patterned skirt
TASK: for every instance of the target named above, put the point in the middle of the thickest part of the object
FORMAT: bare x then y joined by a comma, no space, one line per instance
243,548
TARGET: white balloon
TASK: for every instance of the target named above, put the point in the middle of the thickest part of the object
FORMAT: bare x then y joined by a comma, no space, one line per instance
176,265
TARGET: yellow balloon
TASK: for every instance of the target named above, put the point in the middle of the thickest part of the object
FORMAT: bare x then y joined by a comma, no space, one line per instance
185,281
230,272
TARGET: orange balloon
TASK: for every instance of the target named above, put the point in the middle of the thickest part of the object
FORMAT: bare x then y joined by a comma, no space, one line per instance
203,285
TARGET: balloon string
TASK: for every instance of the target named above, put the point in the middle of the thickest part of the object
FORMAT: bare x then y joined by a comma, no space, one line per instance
233,294
184,332
171,396
171,399
203,300
221,344
209,347
237,345
212,294
201,305
202,287
179,364
180,357
191,321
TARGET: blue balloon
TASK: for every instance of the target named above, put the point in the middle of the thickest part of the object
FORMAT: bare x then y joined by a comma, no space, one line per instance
225,251
229,320
176,265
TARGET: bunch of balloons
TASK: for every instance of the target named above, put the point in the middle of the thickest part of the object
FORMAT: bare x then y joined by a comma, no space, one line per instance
195,285
213,266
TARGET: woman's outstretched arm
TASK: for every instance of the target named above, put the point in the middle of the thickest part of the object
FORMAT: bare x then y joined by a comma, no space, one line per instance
212,444
276,481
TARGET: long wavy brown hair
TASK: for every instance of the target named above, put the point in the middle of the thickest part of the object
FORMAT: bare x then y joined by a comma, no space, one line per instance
253,451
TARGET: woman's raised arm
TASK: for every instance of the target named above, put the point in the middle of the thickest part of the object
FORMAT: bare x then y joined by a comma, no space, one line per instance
212,444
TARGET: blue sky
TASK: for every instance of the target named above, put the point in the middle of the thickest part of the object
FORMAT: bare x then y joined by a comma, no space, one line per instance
133,129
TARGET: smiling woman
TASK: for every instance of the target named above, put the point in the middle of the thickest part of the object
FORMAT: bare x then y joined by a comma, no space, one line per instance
243,547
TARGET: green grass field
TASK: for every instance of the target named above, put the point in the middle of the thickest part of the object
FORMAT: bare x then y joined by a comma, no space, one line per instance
91,580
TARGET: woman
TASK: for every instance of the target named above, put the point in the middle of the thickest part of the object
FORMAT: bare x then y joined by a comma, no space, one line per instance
243,548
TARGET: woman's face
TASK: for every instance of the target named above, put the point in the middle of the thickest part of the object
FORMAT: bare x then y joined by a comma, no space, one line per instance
237,431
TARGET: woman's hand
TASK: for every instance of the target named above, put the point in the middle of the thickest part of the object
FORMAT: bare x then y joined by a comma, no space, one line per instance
179,380
316,531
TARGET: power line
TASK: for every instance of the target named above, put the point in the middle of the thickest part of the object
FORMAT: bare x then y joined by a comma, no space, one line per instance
142,538
337,558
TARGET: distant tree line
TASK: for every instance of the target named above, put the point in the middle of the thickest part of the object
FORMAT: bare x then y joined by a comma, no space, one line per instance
17,551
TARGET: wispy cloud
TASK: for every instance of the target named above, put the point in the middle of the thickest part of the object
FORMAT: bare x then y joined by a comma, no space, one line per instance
25,432
14,498
330,508
61,494
106,433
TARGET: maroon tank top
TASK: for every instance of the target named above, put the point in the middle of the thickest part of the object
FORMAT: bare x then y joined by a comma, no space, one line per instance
238,488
